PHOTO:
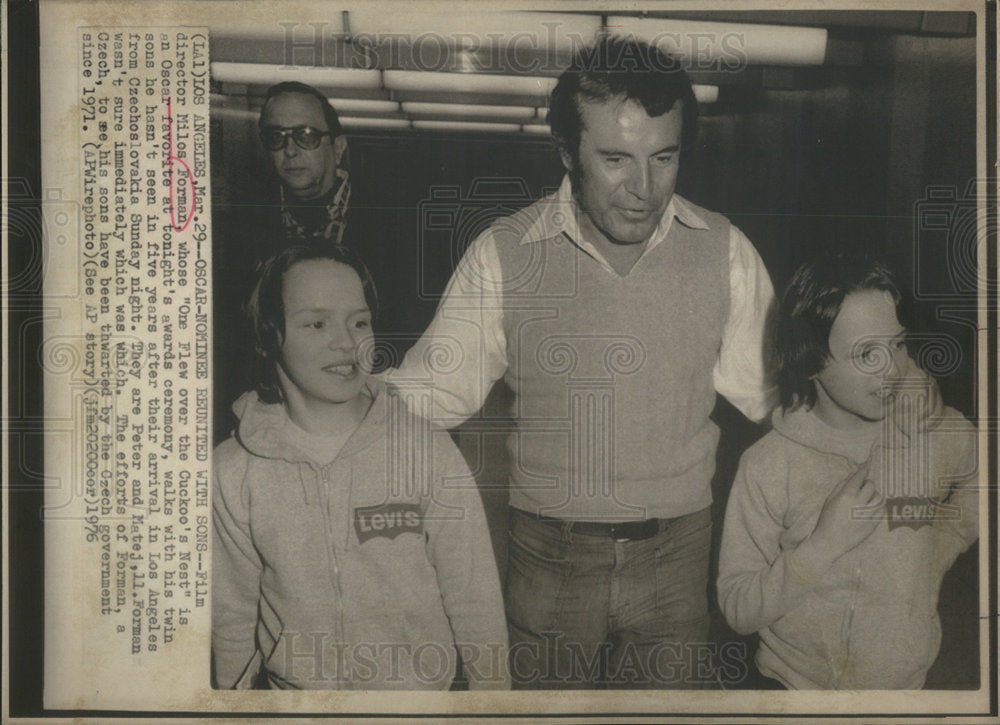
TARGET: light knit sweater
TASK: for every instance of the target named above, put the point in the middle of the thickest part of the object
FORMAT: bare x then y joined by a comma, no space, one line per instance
612,374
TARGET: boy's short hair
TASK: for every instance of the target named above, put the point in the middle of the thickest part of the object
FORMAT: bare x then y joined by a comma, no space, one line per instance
805,316
266,308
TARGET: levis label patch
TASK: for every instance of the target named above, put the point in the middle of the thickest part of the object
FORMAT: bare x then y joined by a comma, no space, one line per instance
914,511
388,520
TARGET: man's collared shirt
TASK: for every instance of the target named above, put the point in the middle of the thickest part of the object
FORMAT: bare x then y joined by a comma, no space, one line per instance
469,320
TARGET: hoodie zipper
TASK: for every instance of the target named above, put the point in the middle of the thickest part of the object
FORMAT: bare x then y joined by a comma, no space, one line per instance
840,664
334,568
848,621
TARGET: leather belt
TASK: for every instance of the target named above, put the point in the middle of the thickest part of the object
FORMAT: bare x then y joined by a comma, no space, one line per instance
627,531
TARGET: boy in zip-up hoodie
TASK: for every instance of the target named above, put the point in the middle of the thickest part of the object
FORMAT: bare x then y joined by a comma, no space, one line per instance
843,520
351,549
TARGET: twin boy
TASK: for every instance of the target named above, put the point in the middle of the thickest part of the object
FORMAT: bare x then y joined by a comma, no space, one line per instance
351,549
825,552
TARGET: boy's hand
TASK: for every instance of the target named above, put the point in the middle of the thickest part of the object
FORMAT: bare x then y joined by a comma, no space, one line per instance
916,403
847,517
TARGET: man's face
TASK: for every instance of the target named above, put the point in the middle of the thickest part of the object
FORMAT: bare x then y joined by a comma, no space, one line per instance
324,353
867,355
626,168
307,174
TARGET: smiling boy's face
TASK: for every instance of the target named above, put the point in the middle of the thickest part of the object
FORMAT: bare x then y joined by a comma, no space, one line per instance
327,328
867,355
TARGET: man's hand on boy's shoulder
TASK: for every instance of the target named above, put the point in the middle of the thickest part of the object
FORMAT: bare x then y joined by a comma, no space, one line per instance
915,405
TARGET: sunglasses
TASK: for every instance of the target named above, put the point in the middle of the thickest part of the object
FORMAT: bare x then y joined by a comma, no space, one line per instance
307,138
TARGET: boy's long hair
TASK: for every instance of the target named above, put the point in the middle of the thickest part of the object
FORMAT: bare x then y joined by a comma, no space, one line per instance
265,309
805,316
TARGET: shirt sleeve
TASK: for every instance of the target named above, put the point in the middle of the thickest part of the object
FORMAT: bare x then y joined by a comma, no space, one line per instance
758,581
740,373
459,546
447,375
236,569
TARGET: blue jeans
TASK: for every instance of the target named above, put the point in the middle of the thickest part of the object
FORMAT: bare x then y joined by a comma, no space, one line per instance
589,612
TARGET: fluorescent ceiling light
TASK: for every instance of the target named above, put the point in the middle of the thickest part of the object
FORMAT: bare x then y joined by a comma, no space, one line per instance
537,129
733,45
358,122
466,126
268,75
461,109
403,80
358,106
236,114
361,123
371,23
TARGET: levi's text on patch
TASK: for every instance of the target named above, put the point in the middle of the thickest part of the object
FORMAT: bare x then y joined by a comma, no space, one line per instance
388,520
917,511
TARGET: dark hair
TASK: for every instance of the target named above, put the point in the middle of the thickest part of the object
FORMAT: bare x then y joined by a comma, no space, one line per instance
329,113
805,316
617,67
265,309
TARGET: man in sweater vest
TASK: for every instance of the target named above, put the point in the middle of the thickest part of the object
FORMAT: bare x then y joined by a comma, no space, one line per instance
615,310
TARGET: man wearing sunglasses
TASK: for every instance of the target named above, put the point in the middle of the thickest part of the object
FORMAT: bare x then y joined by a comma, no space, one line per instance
301,132
307,203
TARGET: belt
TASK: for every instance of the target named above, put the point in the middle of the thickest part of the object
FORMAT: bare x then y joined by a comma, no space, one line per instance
627,531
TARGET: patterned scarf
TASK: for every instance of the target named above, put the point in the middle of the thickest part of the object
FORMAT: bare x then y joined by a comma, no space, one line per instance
326,225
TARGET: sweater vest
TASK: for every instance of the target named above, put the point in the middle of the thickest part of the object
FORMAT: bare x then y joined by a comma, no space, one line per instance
612,375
